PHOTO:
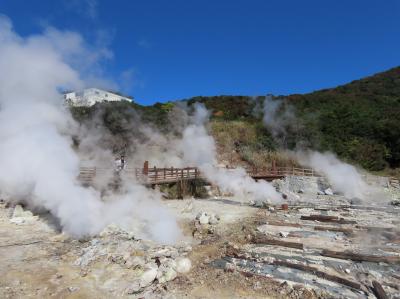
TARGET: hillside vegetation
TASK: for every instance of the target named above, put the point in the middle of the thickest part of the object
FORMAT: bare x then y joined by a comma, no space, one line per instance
359,121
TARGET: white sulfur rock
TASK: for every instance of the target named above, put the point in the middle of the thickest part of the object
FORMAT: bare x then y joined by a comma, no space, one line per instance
204,219
183,265
148,277
20,216
166,275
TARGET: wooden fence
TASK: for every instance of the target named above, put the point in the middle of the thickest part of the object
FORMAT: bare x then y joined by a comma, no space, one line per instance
155,175
281,171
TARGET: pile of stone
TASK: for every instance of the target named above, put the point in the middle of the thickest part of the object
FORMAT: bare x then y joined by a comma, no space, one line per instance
295,187
20,216
204,224
327,191
149,264
205,218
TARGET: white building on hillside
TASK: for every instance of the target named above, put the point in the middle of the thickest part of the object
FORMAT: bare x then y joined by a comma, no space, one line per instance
91,96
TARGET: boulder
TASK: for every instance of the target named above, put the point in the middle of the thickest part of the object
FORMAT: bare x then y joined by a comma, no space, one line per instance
213,219
148,277
204,219
328,191
183,265
20,216
167,275
20,212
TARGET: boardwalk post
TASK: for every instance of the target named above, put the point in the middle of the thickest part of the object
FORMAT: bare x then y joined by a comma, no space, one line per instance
155,170
146,168
164,173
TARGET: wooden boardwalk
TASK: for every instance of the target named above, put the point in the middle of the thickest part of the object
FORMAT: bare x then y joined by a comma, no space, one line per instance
157,176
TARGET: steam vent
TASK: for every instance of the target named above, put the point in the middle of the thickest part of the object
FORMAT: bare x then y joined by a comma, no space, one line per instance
244,167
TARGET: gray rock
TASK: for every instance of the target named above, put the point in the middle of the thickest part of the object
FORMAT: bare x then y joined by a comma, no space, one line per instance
213,219
199,215
356,201
135,262
284,234
148,277
395,202
134,288
167,275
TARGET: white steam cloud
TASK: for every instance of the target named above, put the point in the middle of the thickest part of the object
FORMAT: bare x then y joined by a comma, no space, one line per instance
198,148
37,162
343,177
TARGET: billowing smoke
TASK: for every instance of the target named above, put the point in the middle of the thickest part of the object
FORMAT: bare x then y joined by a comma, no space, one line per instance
198,148
343,177
186,143
279,117
37,163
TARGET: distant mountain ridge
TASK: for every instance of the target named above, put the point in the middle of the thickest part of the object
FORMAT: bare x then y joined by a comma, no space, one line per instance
359,121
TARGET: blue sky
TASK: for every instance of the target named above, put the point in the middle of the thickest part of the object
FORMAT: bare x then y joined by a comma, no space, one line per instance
166,50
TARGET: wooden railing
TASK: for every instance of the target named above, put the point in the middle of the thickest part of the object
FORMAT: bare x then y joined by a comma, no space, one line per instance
164,175
155,175
283,171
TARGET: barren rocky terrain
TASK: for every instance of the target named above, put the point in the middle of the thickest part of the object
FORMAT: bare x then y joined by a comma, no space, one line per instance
321,248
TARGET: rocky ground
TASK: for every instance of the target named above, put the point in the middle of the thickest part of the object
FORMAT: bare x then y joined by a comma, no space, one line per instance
318,246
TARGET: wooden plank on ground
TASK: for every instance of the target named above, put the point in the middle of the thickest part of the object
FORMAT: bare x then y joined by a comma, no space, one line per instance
345,255
327,218
378,290
347,231
319,273
260,239
237,253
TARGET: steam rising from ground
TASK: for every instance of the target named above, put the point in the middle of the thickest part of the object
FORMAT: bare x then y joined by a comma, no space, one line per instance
186,143
37,162
198,148
343,177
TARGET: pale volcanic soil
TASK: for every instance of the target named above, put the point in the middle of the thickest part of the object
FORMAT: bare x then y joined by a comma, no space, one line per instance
222,242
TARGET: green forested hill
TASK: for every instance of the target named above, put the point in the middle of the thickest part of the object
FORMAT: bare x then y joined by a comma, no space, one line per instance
359,121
